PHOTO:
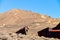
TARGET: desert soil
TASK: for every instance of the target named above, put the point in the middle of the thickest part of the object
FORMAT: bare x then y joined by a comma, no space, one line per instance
15,19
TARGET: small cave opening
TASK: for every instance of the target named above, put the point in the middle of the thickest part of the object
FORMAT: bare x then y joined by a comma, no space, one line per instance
22,31
46,33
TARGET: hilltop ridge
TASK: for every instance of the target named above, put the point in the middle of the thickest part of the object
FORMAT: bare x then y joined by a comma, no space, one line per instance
16,16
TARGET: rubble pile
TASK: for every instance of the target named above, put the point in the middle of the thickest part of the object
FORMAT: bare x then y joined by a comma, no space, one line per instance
14,36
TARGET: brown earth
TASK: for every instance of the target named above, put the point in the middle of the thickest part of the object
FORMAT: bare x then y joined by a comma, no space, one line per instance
15,19
19,17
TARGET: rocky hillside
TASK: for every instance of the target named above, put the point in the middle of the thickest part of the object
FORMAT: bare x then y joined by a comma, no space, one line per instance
19,17
14,20
16,17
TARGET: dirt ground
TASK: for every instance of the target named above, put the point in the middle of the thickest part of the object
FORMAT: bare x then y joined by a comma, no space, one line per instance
14,20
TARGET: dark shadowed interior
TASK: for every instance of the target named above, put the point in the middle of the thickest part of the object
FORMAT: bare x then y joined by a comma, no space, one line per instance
57,27
22,31
46,32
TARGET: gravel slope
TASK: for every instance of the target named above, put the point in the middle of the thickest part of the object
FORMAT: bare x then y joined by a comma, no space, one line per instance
14,36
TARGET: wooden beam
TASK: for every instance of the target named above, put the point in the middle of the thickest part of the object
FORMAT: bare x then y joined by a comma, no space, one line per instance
54,30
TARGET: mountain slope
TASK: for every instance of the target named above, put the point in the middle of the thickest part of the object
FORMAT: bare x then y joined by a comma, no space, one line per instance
26,18
16,16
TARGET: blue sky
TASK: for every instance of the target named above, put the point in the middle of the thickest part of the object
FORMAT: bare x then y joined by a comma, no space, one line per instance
47,7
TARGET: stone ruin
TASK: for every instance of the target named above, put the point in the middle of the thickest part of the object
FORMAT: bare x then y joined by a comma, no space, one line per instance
35,29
